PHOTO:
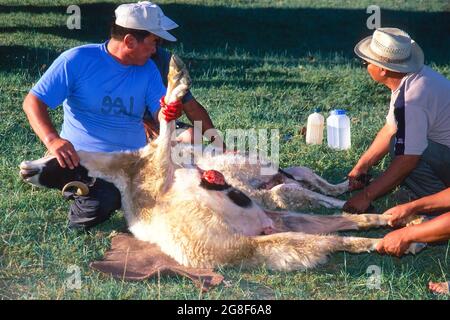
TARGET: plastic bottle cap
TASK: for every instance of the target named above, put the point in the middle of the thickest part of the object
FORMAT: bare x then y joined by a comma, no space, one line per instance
317,110
339,111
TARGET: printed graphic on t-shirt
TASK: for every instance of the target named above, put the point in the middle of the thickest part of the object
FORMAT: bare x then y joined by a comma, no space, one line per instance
116,106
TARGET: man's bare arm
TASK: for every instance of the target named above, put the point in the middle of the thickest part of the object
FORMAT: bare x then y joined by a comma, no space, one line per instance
379,147
377,150
398,170
437,229
437,202
196,112
397,242
39,119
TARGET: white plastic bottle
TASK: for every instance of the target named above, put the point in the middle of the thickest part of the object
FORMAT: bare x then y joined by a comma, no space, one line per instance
314,128
338,130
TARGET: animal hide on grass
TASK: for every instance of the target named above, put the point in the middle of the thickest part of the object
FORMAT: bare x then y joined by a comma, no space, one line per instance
135,260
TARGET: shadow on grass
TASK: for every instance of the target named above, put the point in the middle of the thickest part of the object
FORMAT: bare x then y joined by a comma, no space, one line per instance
23,57
249,84
260,31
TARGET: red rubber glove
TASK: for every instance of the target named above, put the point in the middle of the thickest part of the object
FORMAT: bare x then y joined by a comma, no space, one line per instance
171,111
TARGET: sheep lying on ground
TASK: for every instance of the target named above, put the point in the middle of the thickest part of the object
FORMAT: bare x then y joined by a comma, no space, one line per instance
212,214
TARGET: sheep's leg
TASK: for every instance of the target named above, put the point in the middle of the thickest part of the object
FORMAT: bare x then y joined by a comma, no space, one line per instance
292,196
309,179
178,85
298,251
320,224
369,220
358,245
289,251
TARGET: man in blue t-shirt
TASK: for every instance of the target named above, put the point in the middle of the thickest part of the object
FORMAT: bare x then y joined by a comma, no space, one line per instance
105,90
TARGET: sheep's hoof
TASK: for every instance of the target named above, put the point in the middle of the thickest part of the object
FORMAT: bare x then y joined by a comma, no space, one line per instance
415,220
416,247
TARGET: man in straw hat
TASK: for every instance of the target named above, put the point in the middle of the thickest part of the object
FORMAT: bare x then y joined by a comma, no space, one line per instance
105,90
417,124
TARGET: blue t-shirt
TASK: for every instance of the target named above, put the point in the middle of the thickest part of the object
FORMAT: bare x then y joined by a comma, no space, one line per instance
104,101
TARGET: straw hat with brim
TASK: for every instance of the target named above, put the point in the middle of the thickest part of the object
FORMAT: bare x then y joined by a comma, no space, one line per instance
147,16
392,49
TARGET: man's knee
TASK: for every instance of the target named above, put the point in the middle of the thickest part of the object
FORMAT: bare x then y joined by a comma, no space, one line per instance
109,200
429,175
437,156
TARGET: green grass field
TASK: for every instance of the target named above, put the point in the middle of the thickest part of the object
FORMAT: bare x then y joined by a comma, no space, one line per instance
254,64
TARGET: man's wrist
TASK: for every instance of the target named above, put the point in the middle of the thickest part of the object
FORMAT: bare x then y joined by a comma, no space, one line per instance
369,195
411,208
362,166
50,137
409,234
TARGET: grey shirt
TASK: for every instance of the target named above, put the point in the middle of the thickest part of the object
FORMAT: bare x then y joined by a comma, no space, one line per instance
420,110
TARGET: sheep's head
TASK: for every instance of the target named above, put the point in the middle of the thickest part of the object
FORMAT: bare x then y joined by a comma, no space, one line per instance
46,172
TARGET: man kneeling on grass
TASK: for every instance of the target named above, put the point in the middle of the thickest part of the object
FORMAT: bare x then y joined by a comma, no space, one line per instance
435,230
105,90
417,130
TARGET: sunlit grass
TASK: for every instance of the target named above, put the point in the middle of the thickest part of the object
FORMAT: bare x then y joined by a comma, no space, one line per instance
254,64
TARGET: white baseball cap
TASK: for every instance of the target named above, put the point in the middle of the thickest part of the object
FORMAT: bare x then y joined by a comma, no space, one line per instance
145,15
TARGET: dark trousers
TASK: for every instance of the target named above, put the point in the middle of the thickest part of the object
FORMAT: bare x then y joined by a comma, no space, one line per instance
432,174
96,207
